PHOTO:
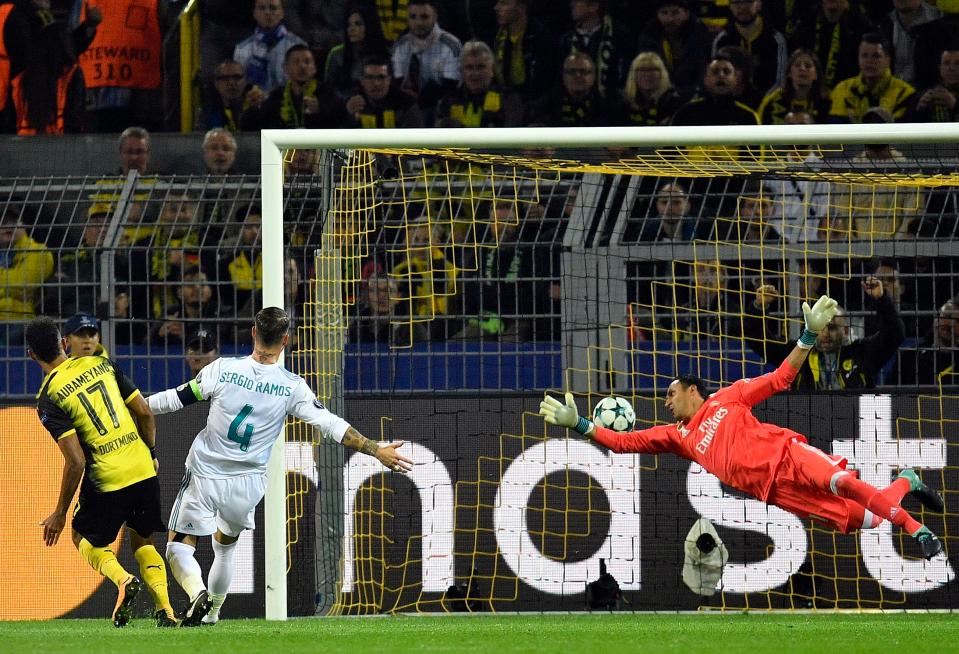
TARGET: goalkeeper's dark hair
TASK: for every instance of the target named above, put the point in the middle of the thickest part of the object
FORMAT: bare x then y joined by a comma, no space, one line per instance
271,323
43,338
692,380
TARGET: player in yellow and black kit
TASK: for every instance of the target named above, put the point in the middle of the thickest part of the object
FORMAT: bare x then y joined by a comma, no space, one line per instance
106,433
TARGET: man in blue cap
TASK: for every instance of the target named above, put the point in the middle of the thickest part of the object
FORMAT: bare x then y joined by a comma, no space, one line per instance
82,331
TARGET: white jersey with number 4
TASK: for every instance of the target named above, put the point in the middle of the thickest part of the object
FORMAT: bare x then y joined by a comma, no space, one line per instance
249,402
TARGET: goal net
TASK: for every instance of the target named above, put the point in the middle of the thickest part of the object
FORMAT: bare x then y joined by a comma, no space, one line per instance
460,276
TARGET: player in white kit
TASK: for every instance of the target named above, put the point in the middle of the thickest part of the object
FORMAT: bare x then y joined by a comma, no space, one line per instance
226,468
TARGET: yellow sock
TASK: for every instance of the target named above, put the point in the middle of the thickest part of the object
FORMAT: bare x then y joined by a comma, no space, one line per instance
104,561
153,571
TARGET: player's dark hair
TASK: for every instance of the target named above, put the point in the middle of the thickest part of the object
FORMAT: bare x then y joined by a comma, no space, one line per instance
693,380
271,324
43,338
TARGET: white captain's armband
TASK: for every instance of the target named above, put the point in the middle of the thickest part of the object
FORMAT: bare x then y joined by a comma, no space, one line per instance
174,399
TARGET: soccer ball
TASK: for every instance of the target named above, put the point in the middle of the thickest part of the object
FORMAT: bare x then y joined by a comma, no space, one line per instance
614,412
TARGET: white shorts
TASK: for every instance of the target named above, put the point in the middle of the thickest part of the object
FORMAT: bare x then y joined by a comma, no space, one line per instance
204,505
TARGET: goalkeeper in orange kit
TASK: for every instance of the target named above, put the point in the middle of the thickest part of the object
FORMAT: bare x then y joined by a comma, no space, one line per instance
775,464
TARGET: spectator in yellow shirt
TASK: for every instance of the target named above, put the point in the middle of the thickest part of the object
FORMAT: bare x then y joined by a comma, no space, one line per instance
874,86
24,265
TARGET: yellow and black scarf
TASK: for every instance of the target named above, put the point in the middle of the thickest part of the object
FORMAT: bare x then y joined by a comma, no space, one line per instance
229,121
510,62
645,111
44,16
874,94
470,114
385,119
392,15
830,58
668,57
777,105
604,53
290,113
790,19
943,114
575,114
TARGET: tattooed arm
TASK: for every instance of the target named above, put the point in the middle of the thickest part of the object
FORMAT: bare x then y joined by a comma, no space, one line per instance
386,454
305,406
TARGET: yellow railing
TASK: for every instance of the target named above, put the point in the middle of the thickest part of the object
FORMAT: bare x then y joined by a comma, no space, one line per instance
189,65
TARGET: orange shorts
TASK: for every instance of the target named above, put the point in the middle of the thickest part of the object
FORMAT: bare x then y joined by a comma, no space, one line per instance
802,487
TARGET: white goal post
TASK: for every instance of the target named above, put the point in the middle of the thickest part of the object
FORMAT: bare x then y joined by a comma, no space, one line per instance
274,142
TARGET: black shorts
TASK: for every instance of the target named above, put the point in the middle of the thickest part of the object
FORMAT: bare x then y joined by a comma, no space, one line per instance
99,516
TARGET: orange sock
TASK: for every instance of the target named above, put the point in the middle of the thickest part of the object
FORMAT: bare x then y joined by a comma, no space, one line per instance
897,490
862,493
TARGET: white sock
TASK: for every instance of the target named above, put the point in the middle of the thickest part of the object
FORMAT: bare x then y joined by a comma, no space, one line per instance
216,601
221,573
185,568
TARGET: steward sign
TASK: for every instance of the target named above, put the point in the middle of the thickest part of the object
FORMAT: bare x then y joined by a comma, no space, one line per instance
126,50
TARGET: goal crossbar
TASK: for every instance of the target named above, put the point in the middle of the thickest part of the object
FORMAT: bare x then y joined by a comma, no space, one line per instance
528,137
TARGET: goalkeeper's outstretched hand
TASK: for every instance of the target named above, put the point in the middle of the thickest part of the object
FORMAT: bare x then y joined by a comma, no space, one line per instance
819,315
557,413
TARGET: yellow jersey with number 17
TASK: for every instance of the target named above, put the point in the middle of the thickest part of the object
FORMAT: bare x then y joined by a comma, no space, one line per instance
89,396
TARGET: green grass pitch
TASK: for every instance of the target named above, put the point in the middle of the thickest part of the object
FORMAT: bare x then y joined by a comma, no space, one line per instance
753,633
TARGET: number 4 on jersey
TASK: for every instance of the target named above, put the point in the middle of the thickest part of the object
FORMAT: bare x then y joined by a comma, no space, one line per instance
234,435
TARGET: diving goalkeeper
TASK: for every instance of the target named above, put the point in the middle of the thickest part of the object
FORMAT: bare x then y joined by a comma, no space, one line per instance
774,464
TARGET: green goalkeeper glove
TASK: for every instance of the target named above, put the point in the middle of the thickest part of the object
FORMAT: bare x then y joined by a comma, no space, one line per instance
817,317
564,415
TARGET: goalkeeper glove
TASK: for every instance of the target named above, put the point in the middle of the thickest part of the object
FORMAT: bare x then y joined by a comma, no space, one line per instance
816,317
564,415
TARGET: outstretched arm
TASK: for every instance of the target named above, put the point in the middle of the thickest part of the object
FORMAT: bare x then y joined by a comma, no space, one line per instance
817,317
797,357
649,441
174,399
566,415
385,454
309,409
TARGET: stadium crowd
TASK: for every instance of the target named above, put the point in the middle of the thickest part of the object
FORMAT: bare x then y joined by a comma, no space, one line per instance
75,66
191,265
